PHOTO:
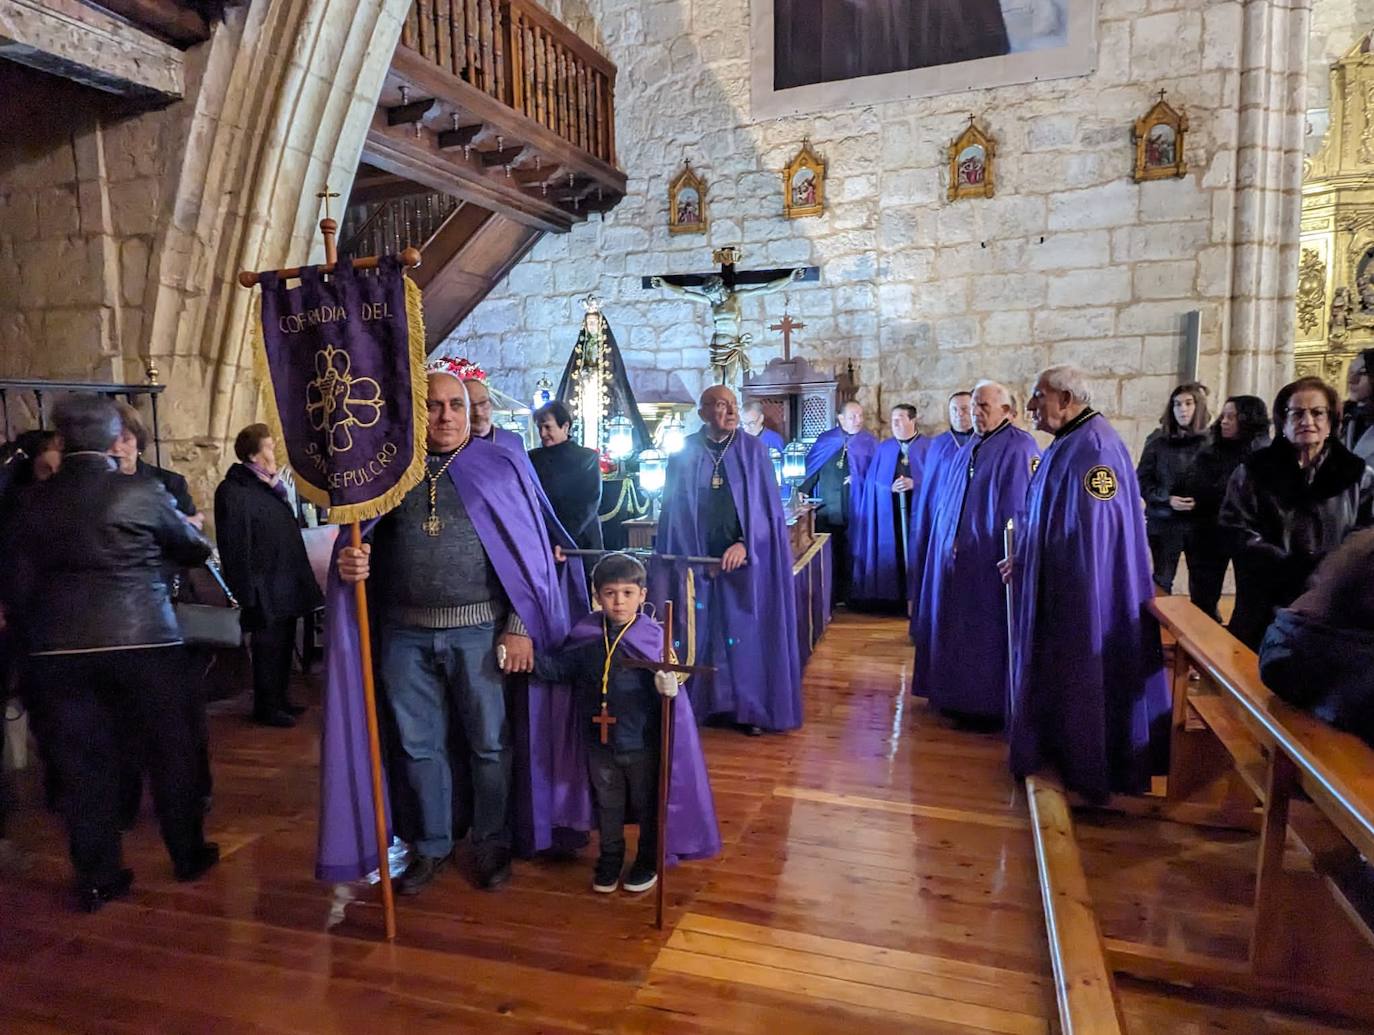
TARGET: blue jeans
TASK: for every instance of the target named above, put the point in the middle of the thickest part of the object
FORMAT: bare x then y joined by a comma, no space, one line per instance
430,674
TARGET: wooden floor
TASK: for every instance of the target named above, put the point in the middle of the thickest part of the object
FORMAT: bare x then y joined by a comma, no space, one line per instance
878,876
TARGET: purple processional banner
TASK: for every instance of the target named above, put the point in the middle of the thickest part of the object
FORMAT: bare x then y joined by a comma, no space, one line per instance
343,356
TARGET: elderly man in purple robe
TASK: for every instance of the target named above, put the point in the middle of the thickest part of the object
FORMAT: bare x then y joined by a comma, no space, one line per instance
836,465
882,528
721,500
1089,695
936,464
466,586
754,425
959,625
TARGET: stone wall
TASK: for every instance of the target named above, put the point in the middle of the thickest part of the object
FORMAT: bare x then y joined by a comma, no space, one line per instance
1336,27
1071,261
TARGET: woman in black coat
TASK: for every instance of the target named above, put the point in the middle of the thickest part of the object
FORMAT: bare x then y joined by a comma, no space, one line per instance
1242,428
266,567
1291,503
1168,455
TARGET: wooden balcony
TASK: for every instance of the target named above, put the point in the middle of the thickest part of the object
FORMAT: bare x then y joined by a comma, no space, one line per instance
499,104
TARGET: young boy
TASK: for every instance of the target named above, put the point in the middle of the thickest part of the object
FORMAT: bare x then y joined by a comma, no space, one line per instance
617,710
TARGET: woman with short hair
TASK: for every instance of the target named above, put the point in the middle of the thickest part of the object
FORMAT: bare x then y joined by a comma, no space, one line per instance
128,453
1242,428
266,567
1291,503
1168,455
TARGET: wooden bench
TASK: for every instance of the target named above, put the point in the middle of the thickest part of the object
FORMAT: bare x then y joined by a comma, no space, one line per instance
1082,980
1235,746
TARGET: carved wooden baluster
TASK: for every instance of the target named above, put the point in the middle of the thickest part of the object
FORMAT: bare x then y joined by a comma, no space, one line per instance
610,121
455,37
498,24
426,28
444,35
598,117
411,29
527,61
470,27
517,59
584,95
560,58
489,24
546,66
575,99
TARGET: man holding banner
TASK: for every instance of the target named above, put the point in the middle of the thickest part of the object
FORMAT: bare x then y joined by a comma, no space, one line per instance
465,579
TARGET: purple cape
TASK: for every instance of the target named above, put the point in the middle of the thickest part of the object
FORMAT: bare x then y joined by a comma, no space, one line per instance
692,830
938,463
549,783
744,623
772,439
876,536
513,444
1090,695
959,623
862,447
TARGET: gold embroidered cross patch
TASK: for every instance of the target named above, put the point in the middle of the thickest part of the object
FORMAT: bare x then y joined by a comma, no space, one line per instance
1100,482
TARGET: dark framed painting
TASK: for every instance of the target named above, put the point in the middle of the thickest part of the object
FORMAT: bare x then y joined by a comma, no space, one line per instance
815,55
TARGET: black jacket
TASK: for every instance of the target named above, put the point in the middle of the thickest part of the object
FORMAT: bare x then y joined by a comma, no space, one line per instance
1210,473
87,550
261,551
174,483
571,477
1285,524
1163,472
1319,653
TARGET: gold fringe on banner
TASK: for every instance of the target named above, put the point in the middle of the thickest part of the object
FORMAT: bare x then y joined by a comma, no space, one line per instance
415,472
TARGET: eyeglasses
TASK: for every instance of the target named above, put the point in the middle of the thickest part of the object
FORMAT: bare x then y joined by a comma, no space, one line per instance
1317,413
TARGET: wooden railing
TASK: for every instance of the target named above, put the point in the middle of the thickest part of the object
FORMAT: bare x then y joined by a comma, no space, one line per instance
520,54
387,227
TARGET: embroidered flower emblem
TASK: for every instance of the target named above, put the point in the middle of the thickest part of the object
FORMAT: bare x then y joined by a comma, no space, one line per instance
337,402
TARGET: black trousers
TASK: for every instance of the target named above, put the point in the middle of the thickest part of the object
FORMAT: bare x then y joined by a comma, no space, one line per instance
1168,542
840,585
1207,563
87,699
272,648
625,785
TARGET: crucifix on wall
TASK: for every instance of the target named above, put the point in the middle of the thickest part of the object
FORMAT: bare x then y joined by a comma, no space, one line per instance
722,292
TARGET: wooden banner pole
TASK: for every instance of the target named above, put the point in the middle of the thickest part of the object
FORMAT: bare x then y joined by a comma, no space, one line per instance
665,768
328,228
410,257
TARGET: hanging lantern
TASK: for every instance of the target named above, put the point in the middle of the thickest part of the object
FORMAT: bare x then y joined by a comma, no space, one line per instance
776,457
620,438
543,393
672,435
794,463
653,471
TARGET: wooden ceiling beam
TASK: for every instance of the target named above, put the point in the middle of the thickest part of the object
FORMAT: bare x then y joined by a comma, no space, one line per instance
68,39
179,24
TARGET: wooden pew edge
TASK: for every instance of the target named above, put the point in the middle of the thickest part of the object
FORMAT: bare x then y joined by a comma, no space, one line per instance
1356,817
1084,988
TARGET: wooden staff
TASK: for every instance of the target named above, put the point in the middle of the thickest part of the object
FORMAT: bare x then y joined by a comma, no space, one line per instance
1007,544
665,767
642,553
410,257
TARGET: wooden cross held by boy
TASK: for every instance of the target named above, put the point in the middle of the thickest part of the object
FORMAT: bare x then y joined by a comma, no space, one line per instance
665,746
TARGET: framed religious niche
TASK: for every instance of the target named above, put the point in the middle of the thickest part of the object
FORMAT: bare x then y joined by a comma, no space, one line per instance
803,184
687,202
971,158
1159,142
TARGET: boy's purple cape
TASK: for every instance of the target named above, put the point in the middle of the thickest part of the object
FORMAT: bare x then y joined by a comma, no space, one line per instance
959,623
692,830
1089,696
862,447
939,460
549,786
875,533
751,611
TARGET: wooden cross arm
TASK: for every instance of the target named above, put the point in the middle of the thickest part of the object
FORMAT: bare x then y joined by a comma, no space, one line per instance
667,666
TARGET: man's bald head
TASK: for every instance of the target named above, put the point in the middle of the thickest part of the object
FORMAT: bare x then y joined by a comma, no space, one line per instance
851,417
719,411
991,406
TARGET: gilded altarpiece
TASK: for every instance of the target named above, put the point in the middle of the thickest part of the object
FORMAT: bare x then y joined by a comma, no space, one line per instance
1335,298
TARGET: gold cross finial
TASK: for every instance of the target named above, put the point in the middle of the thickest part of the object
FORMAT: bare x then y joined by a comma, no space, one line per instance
1161,95
970,120
326,194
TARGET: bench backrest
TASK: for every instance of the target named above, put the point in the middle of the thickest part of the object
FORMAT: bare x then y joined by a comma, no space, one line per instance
1336,769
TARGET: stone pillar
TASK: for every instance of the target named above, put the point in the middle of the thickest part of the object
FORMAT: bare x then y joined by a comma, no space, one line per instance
1267,199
